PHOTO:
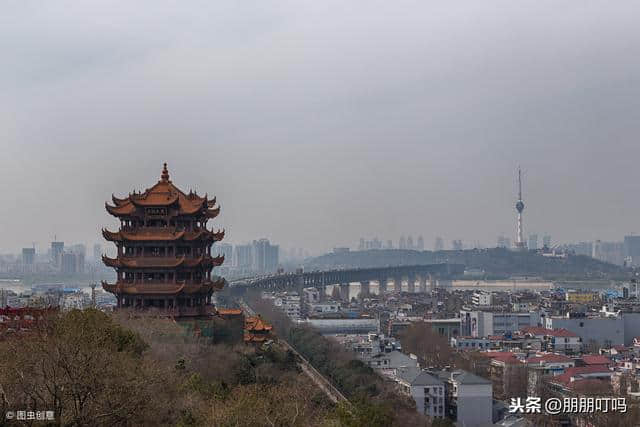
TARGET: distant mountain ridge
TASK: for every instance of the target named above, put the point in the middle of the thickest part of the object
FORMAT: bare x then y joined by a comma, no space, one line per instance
495,262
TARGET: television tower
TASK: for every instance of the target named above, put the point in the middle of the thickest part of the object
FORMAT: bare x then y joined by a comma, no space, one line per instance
519,207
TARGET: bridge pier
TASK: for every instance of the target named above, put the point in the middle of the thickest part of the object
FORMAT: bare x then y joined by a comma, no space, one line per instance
382,289
411,283
422,284
344,291
365,290
397,284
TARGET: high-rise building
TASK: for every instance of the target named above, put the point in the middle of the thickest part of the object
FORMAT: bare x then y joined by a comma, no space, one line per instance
79,251
612,252
439,244
632,250
69,263
225,249
242,256
164,256
97,252
581,248
410,243
402,244
28,256
420,245
264,256
546,241
533,242
57,249
456,245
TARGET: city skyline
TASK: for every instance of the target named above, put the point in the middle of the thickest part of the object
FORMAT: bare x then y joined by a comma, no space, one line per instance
315,133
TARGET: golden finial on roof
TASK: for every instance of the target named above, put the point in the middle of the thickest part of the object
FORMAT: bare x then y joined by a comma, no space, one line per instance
165,173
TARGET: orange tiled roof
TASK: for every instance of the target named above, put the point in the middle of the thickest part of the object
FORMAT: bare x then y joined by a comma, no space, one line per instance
158,288
229,311
255,323
172,262
163,234
249,337
163,194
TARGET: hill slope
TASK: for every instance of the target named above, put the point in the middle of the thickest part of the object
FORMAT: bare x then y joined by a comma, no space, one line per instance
496,262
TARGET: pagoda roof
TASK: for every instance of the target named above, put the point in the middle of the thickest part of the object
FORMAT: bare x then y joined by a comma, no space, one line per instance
161,288
163,262
255,323
163,194
162,234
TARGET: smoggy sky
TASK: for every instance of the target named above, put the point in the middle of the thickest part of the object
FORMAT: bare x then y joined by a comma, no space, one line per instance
318,122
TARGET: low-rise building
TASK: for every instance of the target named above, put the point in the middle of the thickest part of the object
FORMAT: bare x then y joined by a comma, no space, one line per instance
426,389
471,343
485,323
481,298
556,340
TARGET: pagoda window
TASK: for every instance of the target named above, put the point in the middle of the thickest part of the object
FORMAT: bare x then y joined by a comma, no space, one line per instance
170,251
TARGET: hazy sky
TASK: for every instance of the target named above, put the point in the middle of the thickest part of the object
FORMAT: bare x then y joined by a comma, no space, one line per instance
318,122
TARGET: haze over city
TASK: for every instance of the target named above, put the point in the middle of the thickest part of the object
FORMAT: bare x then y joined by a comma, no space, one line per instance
317,123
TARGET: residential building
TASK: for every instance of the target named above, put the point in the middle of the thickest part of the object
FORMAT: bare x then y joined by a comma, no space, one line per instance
468,398
481,298
426,389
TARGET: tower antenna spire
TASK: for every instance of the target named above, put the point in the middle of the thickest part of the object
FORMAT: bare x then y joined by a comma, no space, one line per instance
519,208
519,183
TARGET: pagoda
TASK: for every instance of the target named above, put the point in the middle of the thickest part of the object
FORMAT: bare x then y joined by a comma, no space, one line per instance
164,250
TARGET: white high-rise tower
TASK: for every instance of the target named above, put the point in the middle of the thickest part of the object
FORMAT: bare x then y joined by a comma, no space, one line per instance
520,245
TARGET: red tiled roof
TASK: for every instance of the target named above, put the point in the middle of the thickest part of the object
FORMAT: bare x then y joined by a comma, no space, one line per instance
587,383
537,330
593,359
506,357
550,358
573,372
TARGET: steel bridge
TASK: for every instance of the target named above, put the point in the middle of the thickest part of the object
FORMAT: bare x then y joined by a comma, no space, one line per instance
425,275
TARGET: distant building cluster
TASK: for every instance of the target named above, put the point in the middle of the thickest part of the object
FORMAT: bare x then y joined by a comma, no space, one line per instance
405,243
257,257
624,253
57,295
58,260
